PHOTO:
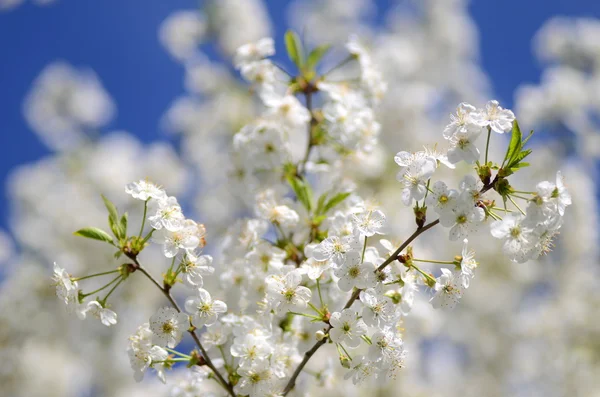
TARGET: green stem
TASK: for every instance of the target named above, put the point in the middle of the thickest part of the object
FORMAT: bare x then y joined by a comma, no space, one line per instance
315,309
516,205
172,264
487,144
320,296
94,275
520,191
305,315
345,351
432,261
148,236
111,291
362,258
101,288
177,353
144,218
427,191
427,276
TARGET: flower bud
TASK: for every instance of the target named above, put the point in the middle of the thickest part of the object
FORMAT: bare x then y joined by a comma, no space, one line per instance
319,335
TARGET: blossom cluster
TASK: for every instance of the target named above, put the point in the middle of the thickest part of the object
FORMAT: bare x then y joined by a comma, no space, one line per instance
310,267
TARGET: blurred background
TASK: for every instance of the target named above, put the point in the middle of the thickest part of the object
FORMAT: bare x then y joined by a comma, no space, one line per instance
95,94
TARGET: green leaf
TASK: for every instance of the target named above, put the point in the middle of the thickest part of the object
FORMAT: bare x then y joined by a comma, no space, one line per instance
335,200
123,226
527,139
520,165
514,147
95,233
321,203
294,48
316,55
302,190
519,157
113,217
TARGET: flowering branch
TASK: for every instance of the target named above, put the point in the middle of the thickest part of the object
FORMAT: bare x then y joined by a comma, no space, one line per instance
192,330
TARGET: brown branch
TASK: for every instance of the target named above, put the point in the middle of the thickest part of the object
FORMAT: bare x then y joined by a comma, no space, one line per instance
356,293
227,386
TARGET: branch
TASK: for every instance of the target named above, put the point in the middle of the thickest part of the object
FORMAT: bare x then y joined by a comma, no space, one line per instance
192,332
356,293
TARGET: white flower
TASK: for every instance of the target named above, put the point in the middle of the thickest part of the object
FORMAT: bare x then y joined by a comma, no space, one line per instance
467,264
498,119
561,194
355,274
142,354
266,257
441,199
542,207
287,109
360,370
204,309
461,122
448,291
66,289
369,222
463,220
338,249
347,328
254,379
415,178
215,335
470,189
387,346
286,293
144,190
262,73
250,348
195,267
378,309
463,146
188,238
252,52
267,208
106,316
168,326
312,267
517,237
166,213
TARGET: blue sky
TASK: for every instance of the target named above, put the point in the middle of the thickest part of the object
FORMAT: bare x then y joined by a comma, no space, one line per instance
118,39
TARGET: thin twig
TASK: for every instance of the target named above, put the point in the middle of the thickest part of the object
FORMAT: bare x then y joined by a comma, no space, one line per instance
290,385
227,386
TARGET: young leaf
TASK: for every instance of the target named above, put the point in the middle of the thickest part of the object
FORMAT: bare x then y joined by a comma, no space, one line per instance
123,226
514,146
519,157
303,193
335,200
113,217
316,55
95,233
294,48
321,203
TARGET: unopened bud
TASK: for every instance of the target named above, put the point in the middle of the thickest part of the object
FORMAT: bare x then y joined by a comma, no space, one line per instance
319,335
345,361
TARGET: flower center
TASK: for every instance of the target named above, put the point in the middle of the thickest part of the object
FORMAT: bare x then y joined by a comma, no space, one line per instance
168,327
